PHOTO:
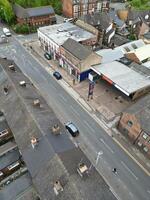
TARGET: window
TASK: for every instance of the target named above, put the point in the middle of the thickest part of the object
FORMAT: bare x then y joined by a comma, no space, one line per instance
145,149
127,49
145,136
130,123
134,46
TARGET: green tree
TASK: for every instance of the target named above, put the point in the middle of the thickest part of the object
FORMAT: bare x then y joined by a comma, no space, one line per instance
6,11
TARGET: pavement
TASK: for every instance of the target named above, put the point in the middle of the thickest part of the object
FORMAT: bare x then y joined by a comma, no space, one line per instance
108,118
131,182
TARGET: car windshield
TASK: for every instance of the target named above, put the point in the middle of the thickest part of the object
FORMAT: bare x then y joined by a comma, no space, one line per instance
73,128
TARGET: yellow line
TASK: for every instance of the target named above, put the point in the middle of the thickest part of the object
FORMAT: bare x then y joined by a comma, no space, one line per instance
141,166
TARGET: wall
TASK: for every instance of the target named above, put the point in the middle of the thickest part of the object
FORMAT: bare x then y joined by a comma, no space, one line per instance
133,57
67,8
133,131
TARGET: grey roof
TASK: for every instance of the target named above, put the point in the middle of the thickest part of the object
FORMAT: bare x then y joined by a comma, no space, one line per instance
147,35
76,49
136,15
102,20
113,15
119,40
55,158
32,12
123,77
141,109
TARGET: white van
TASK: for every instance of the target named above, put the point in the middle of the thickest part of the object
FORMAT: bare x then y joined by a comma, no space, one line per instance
7,32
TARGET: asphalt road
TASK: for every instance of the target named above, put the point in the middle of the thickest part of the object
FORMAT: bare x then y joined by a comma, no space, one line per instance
130,183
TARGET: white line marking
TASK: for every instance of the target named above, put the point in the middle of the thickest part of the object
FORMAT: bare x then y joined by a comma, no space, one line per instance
129,170
74,110
148,191
64,99
88,125
108,147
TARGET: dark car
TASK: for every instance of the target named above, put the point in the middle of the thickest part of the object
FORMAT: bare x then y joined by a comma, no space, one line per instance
72,129
57,75
47,56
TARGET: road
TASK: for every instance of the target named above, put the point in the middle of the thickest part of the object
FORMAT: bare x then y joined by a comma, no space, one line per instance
131,182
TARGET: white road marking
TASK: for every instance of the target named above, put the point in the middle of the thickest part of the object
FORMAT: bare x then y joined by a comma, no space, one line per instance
74,110
129,170
64,99
148,191
88,125
106,145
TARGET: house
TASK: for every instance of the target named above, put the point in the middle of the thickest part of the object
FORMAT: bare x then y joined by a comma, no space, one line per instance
146,38
135,15
77,59
52,37
103,23
135,124
38,16
77,8
139,55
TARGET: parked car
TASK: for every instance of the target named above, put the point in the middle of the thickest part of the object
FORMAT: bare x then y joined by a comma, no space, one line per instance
57,75
3,36
7,32
47,56
68,19
72,129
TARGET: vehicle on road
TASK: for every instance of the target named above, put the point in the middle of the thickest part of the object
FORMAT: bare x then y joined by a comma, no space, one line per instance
7,32
68,19
47,56
72,129
57,75
3,36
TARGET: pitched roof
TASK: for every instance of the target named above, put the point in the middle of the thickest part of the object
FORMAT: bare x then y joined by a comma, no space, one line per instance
76,49
31,12
97,19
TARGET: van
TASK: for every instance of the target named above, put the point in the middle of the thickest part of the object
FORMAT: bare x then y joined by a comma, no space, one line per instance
7,32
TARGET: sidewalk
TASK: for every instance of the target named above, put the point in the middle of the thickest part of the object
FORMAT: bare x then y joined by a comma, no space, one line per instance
103,115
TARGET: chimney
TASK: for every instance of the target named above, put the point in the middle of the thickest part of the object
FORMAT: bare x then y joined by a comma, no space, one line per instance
36,102
12,67
57,187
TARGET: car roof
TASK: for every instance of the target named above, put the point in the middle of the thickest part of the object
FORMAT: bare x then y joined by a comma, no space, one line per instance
72,126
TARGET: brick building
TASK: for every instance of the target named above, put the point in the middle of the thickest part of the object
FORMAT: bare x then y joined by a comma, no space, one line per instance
76,8
135,124
77,59
38,16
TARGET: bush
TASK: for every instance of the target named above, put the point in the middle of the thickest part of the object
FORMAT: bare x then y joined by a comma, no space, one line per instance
24,29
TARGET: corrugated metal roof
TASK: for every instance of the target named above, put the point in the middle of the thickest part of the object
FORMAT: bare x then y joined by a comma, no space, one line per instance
126,78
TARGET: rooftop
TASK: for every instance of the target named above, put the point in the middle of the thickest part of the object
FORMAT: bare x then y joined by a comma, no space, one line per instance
125,78
56,157
76,49
59,33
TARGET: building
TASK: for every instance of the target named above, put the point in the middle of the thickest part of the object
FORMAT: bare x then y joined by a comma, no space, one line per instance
77,59
103,23
38,16
128,77
52,167
140,55
52,37
134,123
77,8
146,38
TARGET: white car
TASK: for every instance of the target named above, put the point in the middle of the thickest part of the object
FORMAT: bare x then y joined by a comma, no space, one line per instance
68,19
7,32
3,36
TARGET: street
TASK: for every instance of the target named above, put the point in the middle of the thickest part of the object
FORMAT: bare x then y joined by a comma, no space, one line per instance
130,182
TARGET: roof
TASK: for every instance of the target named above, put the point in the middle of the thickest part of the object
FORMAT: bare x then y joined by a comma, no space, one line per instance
113,15
102,20
59,33
141,109
147,36
32,12
119,40
128,47
123,77
142,53
55,157
76,49
109,55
